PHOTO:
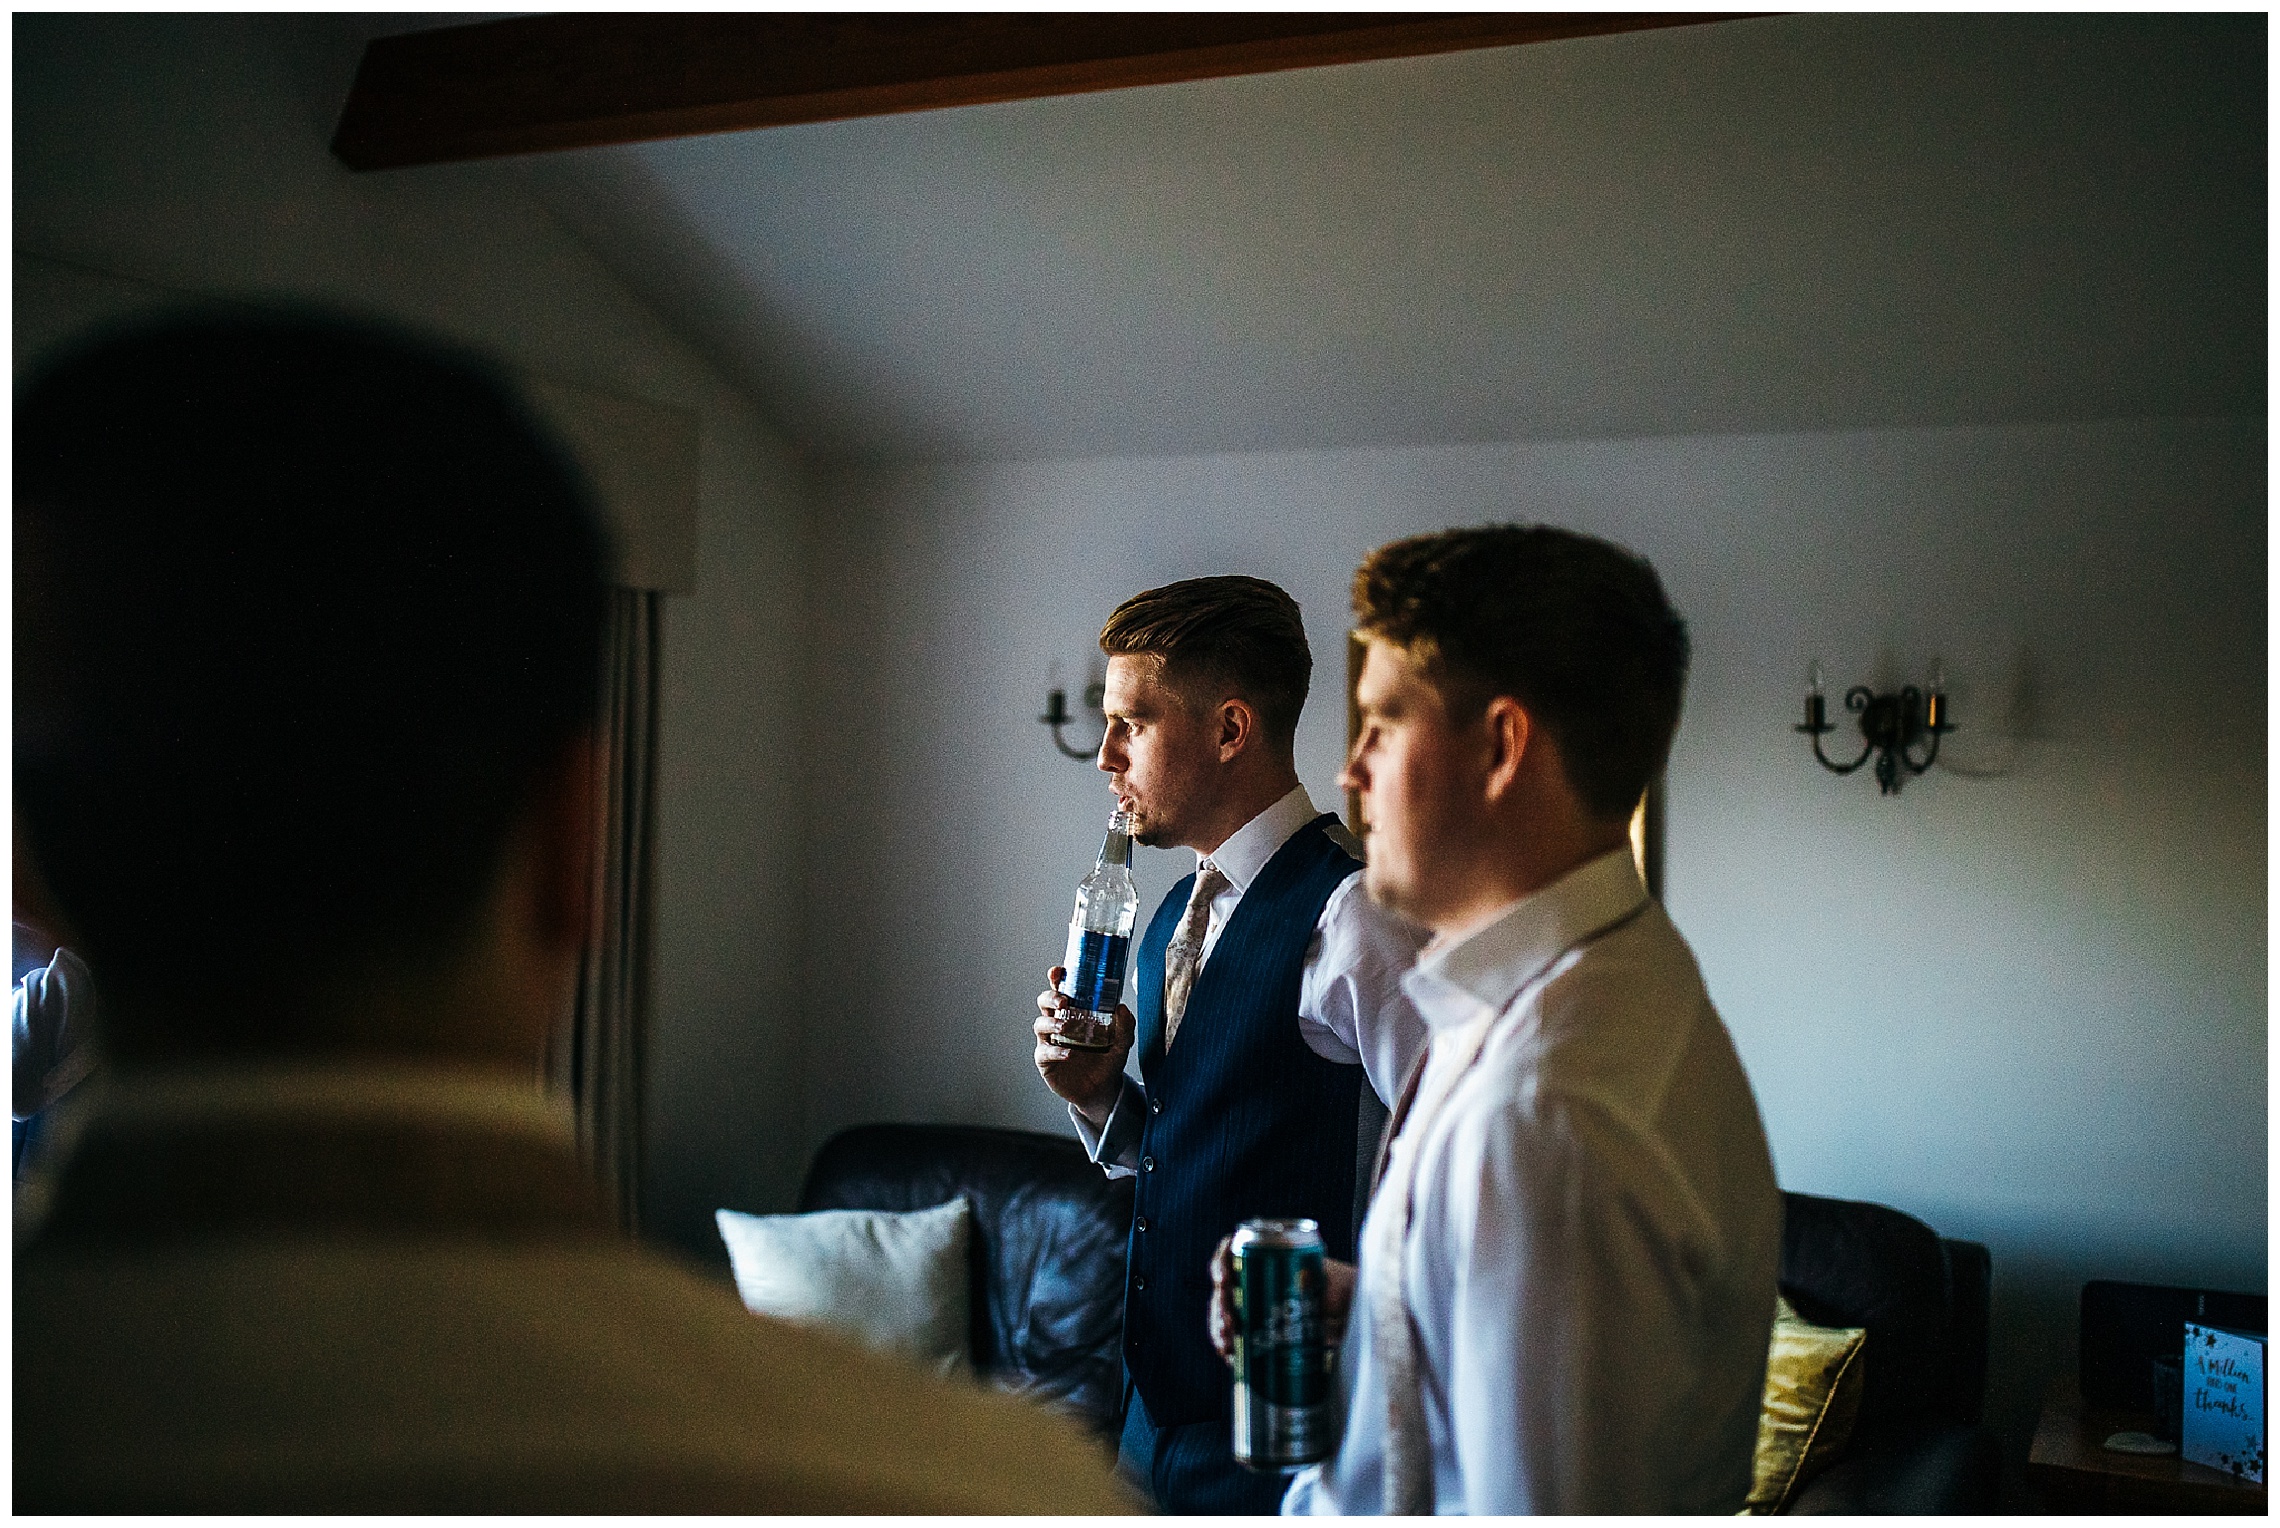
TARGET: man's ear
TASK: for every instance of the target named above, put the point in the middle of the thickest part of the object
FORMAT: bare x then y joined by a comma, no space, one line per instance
1238,727
1509,734
563,820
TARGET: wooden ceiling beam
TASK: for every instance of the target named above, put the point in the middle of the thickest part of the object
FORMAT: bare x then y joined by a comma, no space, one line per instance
586,79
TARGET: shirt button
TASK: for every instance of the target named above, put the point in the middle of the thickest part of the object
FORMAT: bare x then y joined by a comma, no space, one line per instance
1147,1164
1140,1224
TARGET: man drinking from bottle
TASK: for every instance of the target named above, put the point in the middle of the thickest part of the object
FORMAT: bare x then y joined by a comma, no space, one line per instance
1265,1008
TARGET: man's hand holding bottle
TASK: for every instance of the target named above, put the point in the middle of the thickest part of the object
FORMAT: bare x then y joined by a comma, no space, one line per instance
1088,1079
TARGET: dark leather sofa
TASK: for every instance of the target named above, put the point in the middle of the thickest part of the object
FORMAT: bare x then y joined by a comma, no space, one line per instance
1047,1249
1918,1446
1048,1261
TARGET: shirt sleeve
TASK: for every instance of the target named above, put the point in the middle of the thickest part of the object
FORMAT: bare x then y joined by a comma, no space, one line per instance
1115,1146
1570,1317
1350,1003
52,1033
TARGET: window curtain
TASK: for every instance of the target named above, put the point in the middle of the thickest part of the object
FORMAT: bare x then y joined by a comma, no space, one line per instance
596,1059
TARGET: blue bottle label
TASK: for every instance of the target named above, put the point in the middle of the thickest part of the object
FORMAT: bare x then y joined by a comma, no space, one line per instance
1096,977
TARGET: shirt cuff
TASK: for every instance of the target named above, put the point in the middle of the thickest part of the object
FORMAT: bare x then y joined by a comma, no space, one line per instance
1309,1496
1115,1146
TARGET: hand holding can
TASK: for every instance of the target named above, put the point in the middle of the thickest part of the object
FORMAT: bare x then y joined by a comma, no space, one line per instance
1285,1409
1338,1281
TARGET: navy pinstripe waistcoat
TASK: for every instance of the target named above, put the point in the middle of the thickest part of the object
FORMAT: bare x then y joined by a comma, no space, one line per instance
1243,1120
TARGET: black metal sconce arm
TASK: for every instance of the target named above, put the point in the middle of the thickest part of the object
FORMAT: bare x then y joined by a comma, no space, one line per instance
1057,716
1818,726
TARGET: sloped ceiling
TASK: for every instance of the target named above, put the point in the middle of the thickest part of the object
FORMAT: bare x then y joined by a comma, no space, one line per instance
1795,223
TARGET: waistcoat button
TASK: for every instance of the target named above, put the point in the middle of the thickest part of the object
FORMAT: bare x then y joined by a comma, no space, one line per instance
1140,1223
1147,1164
1140,1281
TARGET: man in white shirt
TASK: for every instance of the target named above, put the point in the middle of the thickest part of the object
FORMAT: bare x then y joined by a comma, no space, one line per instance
1270,1019
1566,1284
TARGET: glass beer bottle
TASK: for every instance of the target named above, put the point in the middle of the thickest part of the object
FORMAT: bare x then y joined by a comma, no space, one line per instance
1100,938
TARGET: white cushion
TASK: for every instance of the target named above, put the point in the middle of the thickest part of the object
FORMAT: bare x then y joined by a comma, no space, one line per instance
896,1282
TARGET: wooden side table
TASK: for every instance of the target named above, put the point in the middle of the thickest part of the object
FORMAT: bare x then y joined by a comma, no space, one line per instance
2077,1475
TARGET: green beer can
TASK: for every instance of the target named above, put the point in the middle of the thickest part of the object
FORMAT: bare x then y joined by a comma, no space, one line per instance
1285,1412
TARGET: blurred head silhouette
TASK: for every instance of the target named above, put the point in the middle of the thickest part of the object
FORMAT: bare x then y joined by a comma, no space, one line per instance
308,614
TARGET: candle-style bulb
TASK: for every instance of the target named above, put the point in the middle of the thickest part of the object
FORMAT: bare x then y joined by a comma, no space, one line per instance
1813,676
1939,677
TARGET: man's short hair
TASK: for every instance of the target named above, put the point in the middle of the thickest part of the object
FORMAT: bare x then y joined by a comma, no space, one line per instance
1230,634
304,610
1576,629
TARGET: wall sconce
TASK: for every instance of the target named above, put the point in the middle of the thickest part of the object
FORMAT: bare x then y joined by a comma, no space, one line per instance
1057,716
1890,726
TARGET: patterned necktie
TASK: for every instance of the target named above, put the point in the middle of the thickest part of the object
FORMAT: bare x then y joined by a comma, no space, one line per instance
1407,1459
1407,1483
1185,951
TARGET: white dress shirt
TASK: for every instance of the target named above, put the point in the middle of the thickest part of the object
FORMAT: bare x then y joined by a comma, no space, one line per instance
1592,1227
1351,1006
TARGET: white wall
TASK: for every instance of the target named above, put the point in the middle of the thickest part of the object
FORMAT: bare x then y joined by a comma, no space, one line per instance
2026,1005
186,153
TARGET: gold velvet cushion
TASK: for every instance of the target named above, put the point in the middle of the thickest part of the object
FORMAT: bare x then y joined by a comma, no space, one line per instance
1813,1378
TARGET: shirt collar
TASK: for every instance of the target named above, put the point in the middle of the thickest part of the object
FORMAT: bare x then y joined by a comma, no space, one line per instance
1250,846
287,1147
439,1094
1485,969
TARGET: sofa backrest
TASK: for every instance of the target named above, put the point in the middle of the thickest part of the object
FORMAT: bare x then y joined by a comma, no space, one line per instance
1049,1234
1922,1297
1048,1268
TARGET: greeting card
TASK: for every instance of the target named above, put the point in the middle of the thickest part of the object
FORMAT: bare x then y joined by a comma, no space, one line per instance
2224,1400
